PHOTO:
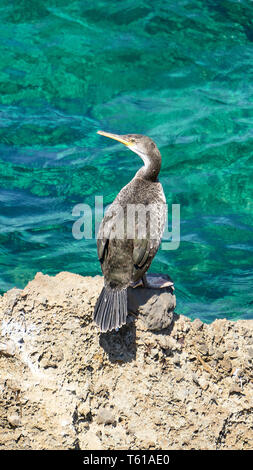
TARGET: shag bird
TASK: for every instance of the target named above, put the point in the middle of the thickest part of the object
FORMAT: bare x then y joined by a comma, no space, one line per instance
130,232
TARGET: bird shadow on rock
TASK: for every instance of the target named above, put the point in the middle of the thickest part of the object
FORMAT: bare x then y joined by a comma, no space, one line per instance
120,346
154,305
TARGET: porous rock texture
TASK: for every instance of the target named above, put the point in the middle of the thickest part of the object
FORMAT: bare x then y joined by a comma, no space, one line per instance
66,386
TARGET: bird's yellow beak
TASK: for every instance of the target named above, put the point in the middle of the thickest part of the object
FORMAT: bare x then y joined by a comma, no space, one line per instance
119,138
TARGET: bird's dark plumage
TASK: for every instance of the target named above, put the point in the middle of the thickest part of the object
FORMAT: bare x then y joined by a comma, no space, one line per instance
130,233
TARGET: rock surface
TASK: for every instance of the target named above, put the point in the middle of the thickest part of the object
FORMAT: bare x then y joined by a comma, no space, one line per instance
154,304
66,386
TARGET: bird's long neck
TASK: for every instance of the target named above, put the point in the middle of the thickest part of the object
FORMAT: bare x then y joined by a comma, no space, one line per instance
151,168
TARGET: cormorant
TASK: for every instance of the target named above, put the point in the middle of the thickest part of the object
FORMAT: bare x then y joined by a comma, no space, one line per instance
130,232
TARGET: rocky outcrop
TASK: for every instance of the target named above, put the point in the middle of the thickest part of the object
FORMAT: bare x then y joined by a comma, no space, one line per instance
66,386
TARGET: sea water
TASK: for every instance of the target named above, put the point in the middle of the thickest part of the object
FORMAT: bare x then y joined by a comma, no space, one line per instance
179,72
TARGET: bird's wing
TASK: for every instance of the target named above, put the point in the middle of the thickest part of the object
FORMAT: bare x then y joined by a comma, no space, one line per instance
112,220
103,238
101,248
141,251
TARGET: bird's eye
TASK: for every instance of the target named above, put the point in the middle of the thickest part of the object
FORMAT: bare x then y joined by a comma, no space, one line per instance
132,141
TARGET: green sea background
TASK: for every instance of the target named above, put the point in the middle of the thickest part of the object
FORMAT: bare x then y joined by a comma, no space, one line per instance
180,72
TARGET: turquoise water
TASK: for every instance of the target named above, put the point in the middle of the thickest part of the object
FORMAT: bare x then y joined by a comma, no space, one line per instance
180,72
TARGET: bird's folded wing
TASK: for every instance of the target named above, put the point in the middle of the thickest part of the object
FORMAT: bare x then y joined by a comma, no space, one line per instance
141,250
111,222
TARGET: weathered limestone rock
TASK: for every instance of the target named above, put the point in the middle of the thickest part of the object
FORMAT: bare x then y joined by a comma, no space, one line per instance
154,304
105,416
66,386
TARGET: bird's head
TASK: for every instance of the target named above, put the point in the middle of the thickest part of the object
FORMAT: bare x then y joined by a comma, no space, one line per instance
140,144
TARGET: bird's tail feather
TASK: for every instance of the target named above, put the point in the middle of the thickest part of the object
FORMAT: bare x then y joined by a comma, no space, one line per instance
111,309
